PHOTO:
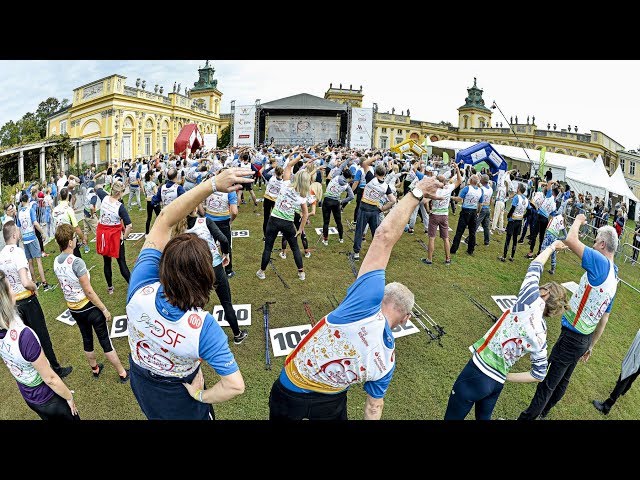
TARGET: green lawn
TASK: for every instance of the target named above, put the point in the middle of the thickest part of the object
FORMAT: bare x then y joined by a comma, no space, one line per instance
425,371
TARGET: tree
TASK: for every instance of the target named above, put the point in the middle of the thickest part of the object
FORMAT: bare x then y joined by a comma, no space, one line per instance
45,109
32,126
225,137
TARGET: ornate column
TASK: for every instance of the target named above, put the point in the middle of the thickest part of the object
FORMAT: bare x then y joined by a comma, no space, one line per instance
108,152
43,173
93,151
21,167
61,162
77,153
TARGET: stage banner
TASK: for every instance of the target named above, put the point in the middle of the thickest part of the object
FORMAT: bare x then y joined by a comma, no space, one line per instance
244,125
361,122
304,130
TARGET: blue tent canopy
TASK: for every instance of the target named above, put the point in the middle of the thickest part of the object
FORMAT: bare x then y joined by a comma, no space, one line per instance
482,152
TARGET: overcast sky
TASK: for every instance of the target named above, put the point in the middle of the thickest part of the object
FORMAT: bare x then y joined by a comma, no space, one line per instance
594,95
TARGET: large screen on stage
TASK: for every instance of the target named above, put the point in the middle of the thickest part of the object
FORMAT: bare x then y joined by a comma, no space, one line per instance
302,130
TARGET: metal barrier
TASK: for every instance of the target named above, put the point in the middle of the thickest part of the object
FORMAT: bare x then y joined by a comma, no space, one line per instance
629,253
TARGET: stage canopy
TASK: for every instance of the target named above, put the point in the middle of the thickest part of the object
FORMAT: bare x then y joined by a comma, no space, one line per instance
189,137
304,101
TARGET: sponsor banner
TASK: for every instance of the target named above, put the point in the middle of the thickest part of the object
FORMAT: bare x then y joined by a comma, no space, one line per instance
210,140
244,124
243,313
504,302
361,123
302,129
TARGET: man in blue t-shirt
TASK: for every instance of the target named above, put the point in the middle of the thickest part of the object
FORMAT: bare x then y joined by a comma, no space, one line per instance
354,343
584,322
470,197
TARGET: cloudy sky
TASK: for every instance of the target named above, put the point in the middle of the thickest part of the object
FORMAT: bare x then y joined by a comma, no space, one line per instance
594,95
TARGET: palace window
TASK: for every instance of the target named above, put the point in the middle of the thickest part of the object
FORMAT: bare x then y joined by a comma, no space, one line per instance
398,140
632,168
164,144
399,132
147,145
63,127
622,164
383,142
384,129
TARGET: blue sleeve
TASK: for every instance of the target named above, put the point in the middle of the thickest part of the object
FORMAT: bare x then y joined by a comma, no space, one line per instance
420,175
155,200
145,271
357,176
94,200
101,193
548,194
124,215
463,192
363,299
214,348
18,219
378,388
180,191
32,213
233,198
596,265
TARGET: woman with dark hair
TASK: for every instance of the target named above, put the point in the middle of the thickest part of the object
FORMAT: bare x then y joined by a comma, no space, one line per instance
113,227
331,203
169,332
42,389
270,195
150,188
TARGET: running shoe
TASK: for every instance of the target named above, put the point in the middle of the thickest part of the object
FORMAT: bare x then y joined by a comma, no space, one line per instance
110,290
307,254
238,339
231,274
47,287
86,249
356,256
341,240
426,261
260,274
325,243
124,379
301,275
96,373
283,255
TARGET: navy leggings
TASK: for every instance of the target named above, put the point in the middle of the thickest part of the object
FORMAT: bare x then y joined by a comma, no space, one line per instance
473,387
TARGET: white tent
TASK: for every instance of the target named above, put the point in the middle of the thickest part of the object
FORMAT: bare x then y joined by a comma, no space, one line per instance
592,178
619,186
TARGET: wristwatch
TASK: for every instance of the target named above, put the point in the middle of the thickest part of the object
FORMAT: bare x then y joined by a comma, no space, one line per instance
416,192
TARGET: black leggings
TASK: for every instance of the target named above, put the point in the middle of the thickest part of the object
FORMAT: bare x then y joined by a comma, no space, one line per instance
224,295
540,229
267,206
31,313
288,230
225,227
40,241
91,317
287,405
122,263
55,409
150,210
329,206
303,236
359,192
513,229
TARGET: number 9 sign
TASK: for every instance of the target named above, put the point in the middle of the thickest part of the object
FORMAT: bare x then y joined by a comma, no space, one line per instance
119,327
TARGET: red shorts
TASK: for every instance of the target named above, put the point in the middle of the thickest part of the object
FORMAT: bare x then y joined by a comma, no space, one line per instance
108,240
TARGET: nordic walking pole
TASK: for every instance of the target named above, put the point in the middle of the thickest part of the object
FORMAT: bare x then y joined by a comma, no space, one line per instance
265,312
275,270
478,304
431,321
423,245
307,309
426,329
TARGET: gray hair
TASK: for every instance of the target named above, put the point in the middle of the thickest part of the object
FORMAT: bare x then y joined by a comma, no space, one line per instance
400,296
609,236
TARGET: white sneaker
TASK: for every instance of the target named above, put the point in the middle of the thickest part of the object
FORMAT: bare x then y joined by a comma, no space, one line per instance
301,275
325,243
307,254
356,256
341,240
283,255
260,274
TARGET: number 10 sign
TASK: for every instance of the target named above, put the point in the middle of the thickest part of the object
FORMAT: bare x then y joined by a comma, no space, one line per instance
243,312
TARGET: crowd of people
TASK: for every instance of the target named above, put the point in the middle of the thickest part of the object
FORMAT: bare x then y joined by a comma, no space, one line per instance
195,198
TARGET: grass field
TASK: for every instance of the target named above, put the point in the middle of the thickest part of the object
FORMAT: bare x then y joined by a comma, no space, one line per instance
425,371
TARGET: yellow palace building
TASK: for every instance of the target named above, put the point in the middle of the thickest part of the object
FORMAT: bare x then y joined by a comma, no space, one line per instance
110,120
